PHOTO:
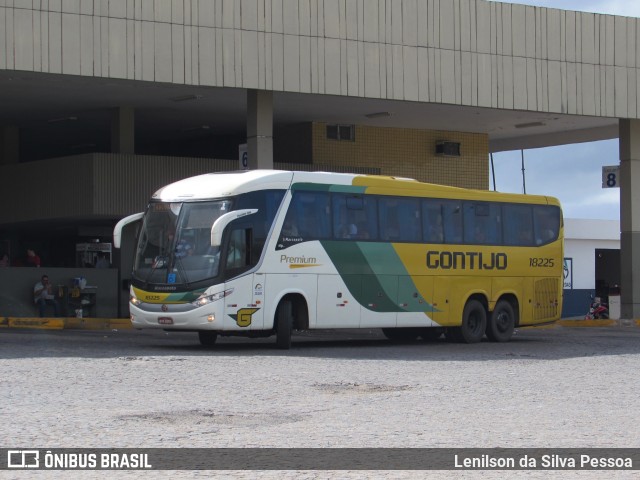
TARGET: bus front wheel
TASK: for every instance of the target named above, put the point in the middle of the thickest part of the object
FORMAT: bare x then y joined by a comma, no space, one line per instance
502,322
284,325
207,338
474,322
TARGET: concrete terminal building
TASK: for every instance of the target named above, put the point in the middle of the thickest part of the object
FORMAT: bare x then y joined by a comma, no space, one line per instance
104,101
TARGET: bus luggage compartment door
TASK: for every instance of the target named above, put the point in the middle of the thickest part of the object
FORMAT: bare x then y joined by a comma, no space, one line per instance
337,304
379,301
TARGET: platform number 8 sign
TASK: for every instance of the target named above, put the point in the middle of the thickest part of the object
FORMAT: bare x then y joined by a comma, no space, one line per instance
611,177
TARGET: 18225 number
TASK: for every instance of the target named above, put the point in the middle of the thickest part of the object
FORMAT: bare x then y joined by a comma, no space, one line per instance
541,262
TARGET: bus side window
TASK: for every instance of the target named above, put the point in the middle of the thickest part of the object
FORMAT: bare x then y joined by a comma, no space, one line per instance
399,219
368,219
546,220
238,255
482,223
308,218
344,217
389,222
354,217
433,229
518,225
452,221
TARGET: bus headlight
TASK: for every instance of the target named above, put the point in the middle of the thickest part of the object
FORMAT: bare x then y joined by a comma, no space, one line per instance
134,301
206,299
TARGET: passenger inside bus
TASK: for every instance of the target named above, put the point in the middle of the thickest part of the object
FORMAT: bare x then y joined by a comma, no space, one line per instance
346,228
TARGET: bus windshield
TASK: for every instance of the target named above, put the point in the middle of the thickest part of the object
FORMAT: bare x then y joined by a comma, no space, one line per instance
174,246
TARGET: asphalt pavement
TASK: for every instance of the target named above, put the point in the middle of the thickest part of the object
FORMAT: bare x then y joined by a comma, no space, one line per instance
548,387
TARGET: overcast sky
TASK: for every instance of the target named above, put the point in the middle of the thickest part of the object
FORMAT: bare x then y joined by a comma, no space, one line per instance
572,173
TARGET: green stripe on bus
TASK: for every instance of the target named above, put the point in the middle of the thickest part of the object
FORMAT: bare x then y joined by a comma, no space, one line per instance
371,272
384,261
183,297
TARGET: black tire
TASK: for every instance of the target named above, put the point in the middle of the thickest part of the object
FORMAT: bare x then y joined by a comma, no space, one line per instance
401,334
502,322
284,325
207,338
431,334
474,322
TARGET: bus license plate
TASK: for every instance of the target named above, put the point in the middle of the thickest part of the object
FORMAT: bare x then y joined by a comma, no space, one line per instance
165,321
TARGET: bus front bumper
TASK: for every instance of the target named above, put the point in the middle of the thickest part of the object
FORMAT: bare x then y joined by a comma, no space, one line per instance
209,317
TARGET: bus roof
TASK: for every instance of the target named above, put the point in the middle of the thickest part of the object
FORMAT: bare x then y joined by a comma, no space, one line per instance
226,184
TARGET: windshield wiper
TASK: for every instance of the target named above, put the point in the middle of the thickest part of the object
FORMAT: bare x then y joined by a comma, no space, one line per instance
159,261
181,270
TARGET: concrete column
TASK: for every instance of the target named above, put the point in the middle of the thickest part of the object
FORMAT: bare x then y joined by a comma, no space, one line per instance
123,130
9,145
260,129
630,218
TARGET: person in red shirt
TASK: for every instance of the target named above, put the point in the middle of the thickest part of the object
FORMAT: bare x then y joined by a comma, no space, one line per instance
33,260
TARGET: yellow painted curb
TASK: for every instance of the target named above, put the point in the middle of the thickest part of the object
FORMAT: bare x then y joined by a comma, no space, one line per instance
71,323
599,323
123,323
97,323
42,323
587,323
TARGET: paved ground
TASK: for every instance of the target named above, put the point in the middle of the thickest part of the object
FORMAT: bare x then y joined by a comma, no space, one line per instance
554,387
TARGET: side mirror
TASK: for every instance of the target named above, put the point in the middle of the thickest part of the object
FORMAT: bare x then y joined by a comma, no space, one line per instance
220,224
117,230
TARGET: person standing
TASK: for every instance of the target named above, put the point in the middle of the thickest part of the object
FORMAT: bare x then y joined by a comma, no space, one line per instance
102,261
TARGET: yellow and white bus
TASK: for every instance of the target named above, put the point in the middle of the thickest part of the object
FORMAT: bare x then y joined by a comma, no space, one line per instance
263,252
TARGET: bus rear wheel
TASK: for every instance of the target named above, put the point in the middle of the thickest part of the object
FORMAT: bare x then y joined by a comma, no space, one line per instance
207,338
502,322
284,325
474,322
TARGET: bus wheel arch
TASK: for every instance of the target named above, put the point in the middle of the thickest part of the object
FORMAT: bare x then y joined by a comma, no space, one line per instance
291,313
503,319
